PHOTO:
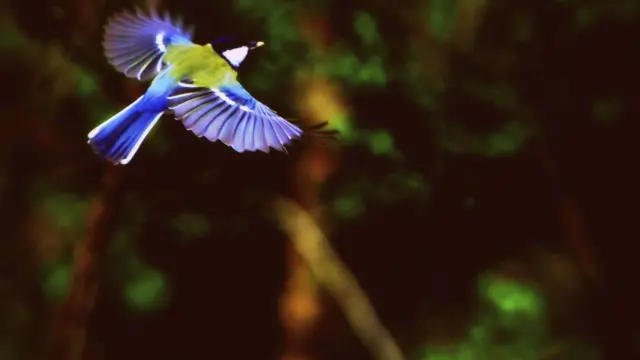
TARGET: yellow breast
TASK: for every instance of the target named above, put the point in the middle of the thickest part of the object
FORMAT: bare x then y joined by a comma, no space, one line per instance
200,64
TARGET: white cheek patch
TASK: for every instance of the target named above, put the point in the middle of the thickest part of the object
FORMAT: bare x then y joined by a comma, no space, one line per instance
236,56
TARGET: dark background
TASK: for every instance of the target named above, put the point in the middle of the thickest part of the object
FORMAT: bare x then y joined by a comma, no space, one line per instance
481,190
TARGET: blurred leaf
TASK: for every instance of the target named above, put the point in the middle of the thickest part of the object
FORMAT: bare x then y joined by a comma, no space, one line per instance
506,141
282,27
510,296
344,124
365,26
401,185
346,65
502,96
442,17
349,206
146,291
85,82
66,211
10,36
191,226
381,142
372,72
57,281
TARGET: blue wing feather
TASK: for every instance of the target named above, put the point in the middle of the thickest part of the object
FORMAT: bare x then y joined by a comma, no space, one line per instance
230,114
135,44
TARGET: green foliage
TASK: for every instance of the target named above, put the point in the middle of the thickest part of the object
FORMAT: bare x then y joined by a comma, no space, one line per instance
284,50
371,72
67,211
280,21
512,319
57,280
394,186
441,18
344,65
349,204
511,297
146,290
86,83
10,35
502,96
348,207
505,141
511,324
344,123
381,143
191,226
366,28
400,185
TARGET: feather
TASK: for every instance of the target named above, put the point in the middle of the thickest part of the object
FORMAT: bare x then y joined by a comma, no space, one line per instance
231,115
119,138
135,44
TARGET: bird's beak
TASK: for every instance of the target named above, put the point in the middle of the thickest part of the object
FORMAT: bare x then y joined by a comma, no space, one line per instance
259,43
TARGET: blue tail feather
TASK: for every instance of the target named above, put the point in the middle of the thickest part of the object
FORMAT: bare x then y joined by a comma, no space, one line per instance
119,138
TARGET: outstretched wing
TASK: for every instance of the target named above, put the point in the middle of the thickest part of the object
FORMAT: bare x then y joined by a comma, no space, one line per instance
135,44
230,114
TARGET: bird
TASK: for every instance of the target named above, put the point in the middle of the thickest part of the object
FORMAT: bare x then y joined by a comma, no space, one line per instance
198,83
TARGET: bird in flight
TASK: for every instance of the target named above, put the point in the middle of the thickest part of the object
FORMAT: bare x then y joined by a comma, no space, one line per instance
198,83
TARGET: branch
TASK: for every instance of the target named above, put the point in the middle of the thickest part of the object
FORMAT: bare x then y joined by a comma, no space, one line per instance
329,271
68,334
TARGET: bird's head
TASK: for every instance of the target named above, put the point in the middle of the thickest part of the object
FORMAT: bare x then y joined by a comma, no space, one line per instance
234,51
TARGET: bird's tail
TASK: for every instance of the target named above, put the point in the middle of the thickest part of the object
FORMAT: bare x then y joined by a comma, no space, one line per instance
118,138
